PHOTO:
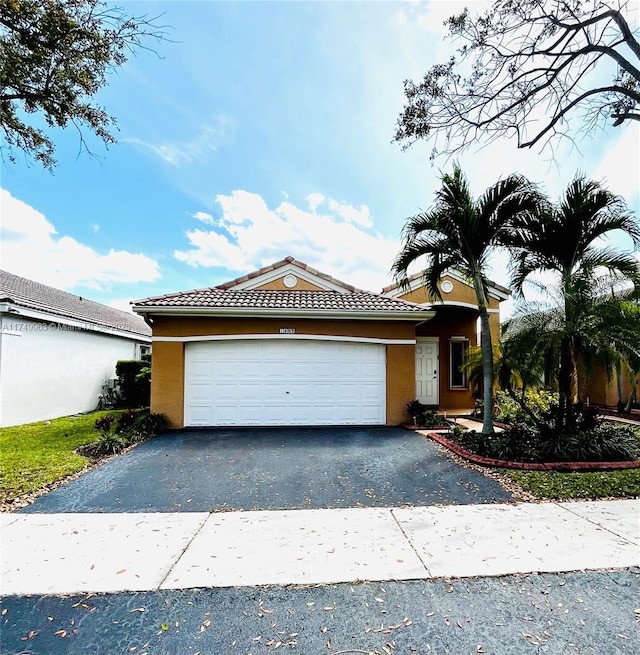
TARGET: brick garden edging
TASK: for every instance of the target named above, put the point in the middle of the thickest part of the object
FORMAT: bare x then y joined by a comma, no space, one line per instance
524,466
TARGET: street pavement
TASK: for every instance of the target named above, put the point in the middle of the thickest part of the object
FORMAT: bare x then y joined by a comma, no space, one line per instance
506,579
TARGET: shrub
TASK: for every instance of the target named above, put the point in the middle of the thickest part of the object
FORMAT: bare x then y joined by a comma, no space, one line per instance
104,423
133,382
523,442
109,444
540,402
415,408
147,424
429,419
126,421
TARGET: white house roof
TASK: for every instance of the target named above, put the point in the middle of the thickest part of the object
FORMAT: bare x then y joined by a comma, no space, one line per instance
20,292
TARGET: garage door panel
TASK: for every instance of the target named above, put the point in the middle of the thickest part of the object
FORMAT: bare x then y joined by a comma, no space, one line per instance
222,393
200,392
370,393
324,392
284,382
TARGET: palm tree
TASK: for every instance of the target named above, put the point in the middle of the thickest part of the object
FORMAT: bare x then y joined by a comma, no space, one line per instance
565,239
460,233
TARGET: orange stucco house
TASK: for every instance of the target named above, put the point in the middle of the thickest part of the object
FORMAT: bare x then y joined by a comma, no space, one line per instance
289,345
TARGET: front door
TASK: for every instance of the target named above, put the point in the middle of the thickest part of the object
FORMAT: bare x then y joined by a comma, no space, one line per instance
427,371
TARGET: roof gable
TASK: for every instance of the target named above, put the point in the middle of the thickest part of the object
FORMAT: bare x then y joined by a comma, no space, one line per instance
276,276
288,288
31,295
416,281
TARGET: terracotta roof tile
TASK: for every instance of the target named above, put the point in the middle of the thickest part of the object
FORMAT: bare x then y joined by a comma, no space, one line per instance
216,298
34,295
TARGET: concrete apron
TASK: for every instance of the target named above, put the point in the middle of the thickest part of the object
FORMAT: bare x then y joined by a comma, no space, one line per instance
78,553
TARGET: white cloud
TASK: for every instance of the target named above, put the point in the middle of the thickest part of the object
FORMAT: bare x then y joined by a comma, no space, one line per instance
314,200
196,149
32,248
204,217
619,168
359,216
249,235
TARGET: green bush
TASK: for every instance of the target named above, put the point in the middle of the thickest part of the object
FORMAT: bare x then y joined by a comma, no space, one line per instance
132,427
523,442
109,444
147,425
540,402
103,423
126,421
133,382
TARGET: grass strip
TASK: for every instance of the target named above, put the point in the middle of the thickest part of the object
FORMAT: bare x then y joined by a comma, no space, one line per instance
37,454
556,485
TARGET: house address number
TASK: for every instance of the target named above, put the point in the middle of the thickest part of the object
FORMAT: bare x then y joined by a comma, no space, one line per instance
287,330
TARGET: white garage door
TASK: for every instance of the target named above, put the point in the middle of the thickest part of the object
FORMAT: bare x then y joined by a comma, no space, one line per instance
284,382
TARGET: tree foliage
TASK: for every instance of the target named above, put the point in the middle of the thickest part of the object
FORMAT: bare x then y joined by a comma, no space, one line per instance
523,69
460,232
566,240
55,56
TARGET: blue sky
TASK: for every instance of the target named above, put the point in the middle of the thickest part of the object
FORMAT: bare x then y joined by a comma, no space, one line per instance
261,130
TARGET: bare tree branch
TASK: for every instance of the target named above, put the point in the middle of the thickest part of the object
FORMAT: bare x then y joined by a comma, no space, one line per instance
527,67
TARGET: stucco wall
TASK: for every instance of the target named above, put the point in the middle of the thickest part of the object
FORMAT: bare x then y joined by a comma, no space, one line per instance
167,378
401,382
202,326
462,327
279,285
167,381
47,371
601,390
461,293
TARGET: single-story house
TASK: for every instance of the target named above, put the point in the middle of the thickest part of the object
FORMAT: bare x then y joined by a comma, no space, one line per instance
57,350
289,345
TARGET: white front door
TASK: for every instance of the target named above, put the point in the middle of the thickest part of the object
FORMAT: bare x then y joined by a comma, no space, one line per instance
285,382
427,381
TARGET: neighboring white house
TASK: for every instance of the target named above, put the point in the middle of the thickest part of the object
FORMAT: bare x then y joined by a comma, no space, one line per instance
58,349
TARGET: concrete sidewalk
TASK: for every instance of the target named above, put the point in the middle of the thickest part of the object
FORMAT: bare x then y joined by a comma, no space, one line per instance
76,553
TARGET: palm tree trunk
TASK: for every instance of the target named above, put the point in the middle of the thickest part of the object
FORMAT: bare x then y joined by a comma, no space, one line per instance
620,403
633,378
487,371
567,386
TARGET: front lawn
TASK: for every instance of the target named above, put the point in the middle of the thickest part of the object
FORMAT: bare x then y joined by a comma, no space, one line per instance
556,485
35,455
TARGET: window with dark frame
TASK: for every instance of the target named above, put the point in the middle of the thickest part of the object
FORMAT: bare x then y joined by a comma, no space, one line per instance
458,347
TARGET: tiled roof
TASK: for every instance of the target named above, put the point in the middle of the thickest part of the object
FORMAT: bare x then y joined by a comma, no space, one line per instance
216,298
280,264
34,295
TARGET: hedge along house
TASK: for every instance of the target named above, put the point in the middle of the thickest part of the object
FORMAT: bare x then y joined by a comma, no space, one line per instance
289,345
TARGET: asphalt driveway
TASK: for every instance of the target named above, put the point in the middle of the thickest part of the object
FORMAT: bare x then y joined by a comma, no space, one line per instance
274,468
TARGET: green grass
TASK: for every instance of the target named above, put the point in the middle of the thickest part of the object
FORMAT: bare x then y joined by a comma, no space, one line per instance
37,454
555,485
